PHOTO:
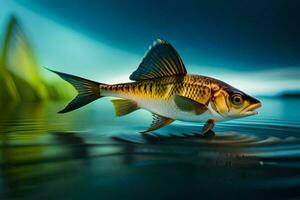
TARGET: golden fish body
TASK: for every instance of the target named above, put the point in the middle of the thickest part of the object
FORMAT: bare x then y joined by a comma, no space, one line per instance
157,95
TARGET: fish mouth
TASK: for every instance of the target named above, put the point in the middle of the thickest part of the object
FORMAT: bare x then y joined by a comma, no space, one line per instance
250,110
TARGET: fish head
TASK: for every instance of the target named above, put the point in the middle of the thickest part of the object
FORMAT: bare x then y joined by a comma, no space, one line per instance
230,102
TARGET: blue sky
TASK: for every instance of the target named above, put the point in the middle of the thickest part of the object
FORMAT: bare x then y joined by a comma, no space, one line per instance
256,51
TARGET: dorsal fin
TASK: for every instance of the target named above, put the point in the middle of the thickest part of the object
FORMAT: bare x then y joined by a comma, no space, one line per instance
160,61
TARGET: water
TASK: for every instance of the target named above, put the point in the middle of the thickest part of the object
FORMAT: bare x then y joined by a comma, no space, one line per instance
91,154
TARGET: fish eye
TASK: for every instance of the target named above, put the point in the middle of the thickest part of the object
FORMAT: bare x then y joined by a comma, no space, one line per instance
237,99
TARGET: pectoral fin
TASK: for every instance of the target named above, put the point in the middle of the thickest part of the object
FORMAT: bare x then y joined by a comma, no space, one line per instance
158,122
208,126
124,106
189,105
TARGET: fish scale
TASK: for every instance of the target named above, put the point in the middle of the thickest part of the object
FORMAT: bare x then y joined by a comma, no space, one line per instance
163,88
163,91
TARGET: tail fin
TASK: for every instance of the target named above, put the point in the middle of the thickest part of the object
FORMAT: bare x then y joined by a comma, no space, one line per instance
88,91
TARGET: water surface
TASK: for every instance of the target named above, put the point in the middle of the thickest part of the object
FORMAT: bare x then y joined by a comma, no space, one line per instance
91,154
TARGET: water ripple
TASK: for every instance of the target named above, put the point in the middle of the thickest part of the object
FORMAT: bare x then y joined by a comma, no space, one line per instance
249,154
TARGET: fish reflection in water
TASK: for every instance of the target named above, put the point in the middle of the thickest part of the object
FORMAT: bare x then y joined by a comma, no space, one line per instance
82,155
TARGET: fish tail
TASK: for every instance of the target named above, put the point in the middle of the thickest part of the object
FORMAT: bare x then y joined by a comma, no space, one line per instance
88,91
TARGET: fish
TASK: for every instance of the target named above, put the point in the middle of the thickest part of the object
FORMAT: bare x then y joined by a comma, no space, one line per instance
162,86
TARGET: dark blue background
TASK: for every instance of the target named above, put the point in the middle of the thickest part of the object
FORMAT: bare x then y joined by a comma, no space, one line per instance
244,34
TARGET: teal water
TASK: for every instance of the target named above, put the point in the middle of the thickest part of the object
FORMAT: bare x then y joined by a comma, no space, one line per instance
91,154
